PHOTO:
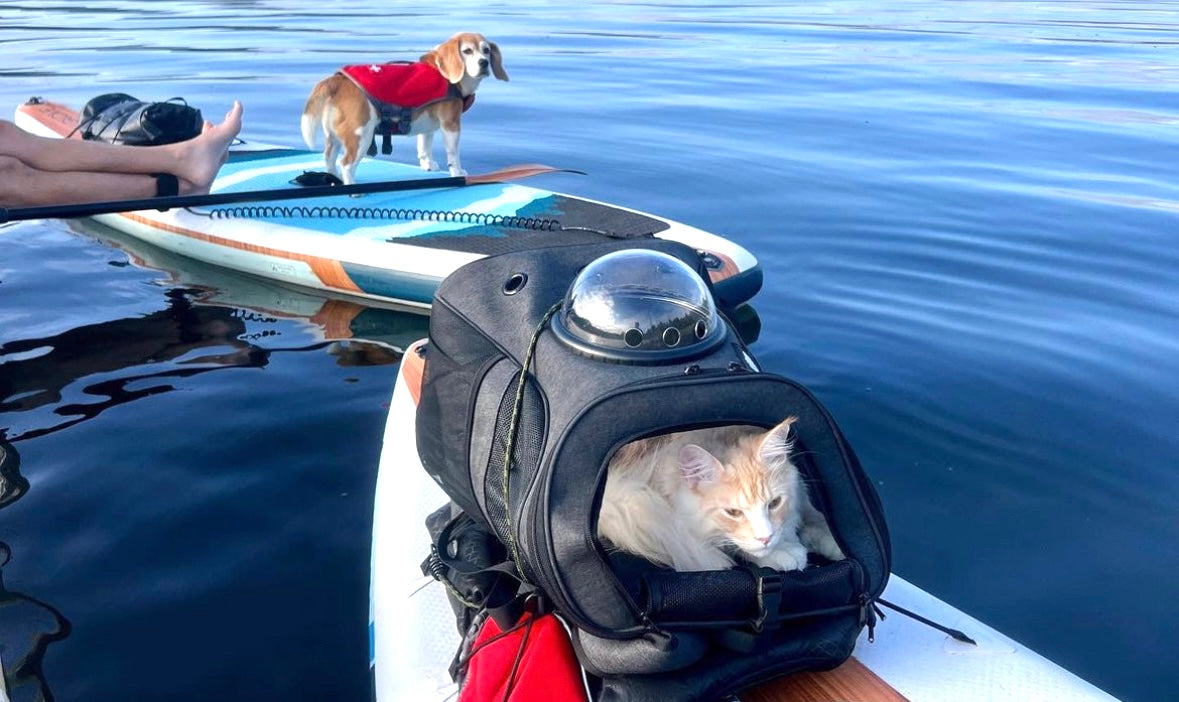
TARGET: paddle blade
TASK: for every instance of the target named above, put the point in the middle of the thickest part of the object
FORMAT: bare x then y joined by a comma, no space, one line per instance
523,170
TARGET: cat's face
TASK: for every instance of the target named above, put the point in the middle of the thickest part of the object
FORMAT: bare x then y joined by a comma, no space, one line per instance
749,493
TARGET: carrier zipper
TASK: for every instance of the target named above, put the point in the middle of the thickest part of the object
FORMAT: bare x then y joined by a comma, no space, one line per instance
868,617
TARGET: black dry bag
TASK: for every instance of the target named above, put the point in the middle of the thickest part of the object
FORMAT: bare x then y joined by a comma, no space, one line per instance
118,118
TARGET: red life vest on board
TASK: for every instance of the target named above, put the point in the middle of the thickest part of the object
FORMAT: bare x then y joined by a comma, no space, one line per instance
532,661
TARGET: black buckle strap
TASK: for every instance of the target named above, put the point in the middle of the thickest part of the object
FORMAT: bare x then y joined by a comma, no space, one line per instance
395,120
768,588
769,596
461,558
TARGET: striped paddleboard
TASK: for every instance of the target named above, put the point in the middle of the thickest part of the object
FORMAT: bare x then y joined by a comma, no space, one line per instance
388,246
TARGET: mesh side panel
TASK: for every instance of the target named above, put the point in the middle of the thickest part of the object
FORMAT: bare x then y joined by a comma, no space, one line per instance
714,595
525,455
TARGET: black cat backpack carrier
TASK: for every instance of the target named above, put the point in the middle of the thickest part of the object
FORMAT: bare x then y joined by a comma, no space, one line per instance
557,357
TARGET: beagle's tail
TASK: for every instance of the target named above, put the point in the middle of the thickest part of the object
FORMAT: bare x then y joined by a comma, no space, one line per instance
312,121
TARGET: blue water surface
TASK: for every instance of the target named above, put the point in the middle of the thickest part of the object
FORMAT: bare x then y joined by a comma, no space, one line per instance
967,214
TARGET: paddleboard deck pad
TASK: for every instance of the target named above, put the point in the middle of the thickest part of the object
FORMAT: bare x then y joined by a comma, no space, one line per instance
389,246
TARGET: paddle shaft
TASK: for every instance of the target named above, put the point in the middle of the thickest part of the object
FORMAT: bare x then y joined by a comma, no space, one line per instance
166,203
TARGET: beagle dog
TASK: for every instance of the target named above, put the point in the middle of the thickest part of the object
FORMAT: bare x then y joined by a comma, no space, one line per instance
401,98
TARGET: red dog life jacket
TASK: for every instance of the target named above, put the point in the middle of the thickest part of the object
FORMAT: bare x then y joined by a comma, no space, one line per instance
396,89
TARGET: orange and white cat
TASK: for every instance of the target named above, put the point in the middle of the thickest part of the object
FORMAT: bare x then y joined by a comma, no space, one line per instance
686,500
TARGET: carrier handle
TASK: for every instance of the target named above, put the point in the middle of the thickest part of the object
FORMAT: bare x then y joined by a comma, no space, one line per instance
751,597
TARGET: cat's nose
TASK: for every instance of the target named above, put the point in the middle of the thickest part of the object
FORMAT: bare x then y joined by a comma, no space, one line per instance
764,539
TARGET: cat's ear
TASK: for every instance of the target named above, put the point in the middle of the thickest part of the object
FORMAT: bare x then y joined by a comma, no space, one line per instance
776,444
698,465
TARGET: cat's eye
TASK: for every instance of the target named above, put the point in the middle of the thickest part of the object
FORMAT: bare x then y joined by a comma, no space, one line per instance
734,512
775,503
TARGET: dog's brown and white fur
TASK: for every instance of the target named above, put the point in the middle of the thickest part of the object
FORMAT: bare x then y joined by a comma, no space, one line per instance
348,120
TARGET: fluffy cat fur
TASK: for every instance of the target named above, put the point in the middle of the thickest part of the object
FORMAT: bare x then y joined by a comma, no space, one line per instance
686,500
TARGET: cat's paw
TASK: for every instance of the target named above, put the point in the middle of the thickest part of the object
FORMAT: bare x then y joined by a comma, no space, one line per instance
818,538
790,555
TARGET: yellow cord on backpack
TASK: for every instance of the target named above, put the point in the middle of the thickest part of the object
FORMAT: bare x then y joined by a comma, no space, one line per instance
513,427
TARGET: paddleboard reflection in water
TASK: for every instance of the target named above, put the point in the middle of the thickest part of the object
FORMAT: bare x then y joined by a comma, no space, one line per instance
27,627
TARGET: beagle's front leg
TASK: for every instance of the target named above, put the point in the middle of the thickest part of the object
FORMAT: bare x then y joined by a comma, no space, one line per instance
451,138
450,114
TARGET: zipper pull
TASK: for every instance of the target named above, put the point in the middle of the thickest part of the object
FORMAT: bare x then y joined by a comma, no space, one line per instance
868,617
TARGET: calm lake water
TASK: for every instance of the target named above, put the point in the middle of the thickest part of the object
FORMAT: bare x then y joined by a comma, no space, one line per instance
968,218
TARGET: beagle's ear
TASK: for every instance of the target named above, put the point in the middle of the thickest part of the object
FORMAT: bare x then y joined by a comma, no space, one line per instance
447,59
497,62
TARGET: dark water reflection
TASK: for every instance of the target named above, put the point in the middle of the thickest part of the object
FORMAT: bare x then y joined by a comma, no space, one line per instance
200,329
156,420
12,484
51,364
27,628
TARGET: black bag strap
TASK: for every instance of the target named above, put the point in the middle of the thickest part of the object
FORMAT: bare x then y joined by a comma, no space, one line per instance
461,558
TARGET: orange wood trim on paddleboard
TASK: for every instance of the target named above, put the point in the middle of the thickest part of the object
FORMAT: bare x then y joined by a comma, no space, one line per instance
728,268
850,682
413,364
329,271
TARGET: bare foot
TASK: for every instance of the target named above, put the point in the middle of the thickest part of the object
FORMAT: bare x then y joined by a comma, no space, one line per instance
185,187
201,157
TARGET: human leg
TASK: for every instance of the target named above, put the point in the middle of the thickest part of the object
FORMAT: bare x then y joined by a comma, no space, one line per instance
195,161
24,186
